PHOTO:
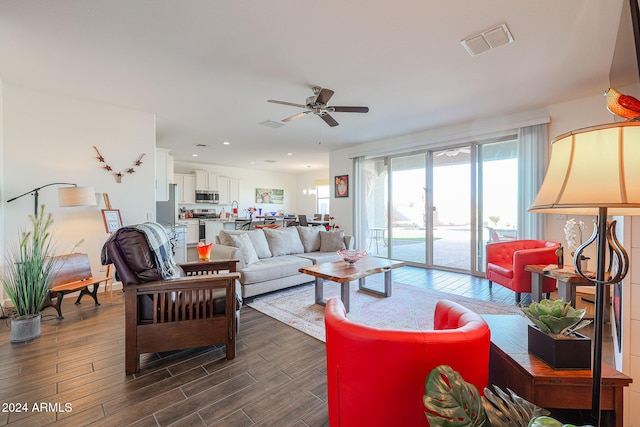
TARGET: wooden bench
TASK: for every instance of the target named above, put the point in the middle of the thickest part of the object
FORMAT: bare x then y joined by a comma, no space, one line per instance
72,274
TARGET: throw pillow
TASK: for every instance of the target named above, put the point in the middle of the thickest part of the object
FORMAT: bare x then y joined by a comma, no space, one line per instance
310,237
283,241
260,243
332,241
243,243
256,236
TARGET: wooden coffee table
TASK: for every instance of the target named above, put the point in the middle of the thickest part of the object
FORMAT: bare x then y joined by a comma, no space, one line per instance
343,273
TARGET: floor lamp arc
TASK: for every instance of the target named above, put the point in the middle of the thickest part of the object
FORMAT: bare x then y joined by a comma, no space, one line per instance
67,196
594,171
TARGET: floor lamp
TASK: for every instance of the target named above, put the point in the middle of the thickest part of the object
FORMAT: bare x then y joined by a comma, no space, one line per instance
594,171
67,196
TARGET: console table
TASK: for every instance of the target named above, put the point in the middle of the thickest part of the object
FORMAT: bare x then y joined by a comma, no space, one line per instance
512,366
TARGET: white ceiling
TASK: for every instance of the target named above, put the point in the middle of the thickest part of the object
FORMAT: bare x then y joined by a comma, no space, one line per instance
207,67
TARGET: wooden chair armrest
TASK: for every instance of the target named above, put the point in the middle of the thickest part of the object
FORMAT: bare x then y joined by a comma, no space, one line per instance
185,283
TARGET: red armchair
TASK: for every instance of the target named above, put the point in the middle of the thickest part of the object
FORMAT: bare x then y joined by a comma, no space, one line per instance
376,377
506,262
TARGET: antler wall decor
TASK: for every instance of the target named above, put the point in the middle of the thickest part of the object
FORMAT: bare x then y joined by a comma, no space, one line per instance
118,175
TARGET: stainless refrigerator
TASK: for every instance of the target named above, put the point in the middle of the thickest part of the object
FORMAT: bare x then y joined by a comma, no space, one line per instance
167,212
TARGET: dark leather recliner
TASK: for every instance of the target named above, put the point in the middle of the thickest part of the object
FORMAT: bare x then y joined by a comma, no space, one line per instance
200,308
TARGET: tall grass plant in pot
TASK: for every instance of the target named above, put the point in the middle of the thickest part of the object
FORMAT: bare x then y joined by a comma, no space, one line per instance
26,276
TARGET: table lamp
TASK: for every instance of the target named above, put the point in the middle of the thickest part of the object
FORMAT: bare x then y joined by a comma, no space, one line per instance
594,171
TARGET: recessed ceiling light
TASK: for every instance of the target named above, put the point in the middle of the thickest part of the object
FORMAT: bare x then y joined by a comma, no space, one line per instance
226,143
252,163
289,154
194,155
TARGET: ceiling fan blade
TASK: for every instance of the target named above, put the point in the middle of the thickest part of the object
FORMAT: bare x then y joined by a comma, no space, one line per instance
329,120
286,103
296,116
350,109
324,96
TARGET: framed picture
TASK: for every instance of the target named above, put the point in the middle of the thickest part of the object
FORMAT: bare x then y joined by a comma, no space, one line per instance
270,195
112,219
342,186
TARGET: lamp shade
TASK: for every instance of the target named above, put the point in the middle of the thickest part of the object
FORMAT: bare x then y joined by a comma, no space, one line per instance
76,196
592,168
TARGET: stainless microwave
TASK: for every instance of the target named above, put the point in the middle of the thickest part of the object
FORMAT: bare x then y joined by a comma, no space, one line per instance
207,197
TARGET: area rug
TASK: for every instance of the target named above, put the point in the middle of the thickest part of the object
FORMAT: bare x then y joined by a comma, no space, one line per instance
408,308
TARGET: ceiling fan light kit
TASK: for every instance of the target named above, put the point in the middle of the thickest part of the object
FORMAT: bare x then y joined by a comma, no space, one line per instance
317,104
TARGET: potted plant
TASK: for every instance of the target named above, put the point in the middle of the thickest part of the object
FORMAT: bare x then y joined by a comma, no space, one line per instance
450,401
573,235
26,277
553,337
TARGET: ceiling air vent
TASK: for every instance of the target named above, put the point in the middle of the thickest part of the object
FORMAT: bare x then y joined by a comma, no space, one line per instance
489,39
271,124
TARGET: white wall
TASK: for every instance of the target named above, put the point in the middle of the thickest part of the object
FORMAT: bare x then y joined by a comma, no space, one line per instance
49,138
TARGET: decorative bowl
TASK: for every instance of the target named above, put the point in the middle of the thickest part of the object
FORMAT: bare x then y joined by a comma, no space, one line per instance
351,256
273,213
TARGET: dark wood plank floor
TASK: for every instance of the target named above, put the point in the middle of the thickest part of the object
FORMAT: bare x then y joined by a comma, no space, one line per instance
73,375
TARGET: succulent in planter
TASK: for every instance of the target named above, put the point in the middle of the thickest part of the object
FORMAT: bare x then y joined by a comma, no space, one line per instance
556,316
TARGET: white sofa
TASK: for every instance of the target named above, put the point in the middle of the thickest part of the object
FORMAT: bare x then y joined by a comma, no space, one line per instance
270,258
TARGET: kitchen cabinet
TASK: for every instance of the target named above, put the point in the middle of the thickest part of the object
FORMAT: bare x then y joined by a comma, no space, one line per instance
206,181
186,188
164,168
211,230
180,248
193,230
229,189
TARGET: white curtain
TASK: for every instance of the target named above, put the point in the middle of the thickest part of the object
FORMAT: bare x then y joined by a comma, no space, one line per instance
533,148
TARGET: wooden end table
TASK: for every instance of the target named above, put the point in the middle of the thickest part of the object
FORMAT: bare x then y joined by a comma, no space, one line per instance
567,280
343,273
512,366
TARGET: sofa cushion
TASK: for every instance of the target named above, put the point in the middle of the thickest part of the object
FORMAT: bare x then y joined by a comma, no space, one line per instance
310,237
242,242
283,241
257,237
273,268
320,257
332,241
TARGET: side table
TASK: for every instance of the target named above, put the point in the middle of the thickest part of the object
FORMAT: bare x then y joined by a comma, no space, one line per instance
567,279
512,366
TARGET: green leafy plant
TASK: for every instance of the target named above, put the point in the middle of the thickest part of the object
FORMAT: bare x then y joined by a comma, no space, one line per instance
555,316
450,402
29,268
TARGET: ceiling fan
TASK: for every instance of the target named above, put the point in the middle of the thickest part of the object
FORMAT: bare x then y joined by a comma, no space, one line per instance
317,104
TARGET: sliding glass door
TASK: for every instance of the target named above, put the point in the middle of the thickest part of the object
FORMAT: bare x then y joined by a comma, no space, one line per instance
451,208
439,208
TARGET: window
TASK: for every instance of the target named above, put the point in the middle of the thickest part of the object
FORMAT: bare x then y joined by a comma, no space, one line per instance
323,198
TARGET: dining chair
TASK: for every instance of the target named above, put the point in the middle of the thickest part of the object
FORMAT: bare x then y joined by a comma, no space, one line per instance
302,219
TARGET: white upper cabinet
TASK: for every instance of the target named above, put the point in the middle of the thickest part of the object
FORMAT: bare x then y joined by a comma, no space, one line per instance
206,181
186,188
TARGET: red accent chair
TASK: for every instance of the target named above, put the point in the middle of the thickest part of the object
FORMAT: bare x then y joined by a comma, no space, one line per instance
376,377
506,262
